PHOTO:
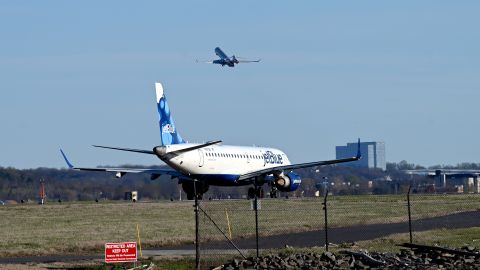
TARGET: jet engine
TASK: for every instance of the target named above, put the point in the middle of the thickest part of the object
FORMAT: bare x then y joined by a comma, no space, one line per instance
288,182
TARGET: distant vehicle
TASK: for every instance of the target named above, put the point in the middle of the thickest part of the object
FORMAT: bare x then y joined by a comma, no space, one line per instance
228,61
2,203
214,164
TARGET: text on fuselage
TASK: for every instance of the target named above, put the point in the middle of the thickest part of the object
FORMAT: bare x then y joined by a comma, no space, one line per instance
271,158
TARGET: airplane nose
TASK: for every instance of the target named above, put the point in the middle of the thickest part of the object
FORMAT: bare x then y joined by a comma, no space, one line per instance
160,151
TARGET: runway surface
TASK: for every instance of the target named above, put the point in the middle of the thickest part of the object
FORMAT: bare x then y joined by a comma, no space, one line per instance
303,239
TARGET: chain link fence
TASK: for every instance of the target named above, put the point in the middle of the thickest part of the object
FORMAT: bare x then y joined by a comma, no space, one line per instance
227,229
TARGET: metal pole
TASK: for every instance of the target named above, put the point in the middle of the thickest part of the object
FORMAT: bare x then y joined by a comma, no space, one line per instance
409,214
197,246
255,207
326,218
224,235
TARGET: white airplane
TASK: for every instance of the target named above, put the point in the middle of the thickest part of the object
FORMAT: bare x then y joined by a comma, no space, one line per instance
212,163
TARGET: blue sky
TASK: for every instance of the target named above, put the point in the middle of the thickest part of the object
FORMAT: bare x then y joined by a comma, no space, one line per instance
79,73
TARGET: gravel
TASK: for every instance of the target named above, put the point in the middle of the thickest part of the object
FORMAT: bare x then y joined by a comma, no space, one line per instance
347,259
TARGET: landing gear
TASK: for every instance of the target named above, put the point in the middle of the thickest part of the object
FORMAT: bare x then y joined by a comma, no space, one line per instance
191,196
189,188
251,192
274,192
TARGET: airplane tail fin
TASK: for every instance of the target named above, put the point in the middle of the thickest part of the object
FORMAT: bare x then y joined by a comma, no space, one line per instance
168,132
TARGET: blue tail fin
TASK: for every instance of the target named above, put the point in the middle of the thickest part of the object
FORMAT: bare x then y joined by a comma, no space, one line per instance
168,132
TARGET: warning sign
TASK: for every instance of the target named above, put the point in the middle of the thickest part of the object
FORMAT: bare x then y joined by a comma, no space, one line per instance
121,252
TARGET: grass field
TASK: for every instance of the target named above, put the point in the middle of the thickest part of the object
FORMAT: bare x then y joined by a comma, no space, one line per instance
84,228
284,216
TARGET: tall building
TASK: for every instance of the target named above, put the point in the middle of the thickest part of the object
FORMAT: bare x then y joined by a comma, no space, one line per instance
373,155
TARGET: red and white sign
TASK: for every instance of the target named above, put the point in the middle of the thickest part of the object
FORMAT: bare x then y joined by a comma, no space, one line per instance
120,252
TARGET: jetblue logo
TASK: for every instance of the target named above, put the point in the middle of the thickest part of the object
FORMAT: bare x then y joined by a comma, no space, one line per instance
271,158
168,129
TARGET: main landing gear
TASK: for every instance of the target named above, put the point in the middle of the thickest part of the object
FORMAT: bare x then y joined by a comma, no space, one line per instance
259,191
274,192
189,188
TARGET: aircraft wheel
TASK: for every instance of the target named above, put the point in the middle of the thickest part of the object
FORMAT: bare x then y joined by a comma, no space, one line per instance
251,193
260,192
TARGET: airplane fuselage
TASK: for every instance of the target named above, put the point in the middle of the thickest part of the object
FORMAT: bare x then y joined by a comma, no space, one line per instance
223,164
224,59
224,62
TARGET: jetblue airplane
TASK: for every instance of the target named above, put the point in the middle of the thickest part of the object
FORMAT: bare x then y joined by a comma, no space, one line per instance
228,61
213,163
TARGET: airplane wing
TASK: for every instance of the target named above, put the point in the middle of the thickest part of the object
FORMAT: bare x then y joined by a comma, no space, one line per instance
204,61
119,172
280,169
249,61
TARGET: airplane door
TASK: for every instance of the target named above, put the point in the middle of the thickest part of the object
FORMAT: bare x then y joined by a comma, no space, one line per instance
200,158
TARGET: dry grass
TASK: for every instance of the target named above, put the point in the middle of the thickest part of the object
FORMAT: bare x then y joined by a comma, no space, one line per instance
281,216
79,228
455,238
83,228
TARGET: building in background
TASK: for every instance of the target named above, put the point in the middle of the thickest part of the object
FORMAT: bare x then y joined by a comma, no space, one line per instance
373,155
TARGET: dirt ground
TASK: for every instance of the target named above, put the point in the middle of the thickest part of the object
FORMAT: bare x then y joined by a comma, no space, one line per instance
50,266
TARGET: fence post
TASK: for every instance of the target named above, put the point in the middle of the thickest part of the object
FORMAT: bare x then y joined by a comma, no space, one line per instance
326,218
197,246
409,214
255,207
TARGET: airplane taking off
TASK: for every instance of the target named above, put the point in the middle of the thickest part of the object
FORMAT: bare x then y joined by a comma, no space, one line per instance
214,164
228,61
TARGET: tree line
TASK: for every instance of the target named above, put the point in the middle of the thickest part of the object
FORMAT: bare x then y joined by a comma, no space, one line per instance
70,185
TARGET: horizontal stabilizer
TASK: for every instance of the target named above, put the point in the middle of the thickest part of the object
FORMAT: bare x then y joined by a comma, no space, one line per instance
127,149
184,150
195,147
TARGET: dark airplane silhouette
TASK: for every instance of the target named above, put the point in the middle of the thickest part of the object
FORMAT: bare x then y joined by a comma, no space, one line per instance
228,61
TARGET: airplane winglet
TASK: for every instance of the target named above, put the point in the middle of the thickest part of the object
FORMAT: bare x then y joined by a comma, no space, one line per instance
359,154
66,160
